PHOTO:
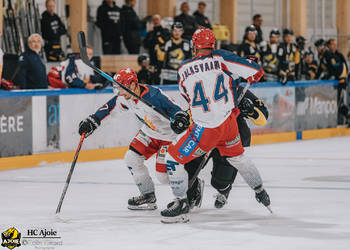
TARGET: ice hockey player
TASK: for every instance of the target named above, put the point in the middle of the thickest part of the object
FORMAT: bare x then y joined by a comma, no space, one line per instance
223,174
288,57
248,46
74,73
176,50
269,56
208,82
153,138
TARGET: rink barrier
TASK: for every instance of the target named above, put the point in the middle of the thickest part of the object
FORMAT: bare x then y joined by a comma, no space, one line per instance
27,161
46,125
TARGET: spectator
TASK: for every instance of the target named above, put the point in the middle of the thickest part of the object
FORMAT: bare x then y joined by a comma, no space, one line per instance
321,48
32,73
188,22
74,73
176,50
308,66
108,20
146,74
257,22
288,57
336,64
158,36
349,65
131,26
300,42
269,56
248,46
199,16
52,29
1,61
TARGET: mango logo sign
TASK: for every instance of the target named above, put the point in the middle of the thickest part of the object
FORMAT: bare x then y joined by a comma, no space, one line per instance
11,238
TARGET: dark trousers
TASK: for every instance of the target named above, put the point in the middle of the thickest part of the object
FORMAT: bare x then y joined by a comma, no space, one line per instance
111,46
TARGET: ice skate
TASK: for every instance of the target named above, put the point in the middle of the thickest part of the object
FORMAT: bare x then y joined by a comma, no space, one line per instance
176,212
221,197
264,198
143,202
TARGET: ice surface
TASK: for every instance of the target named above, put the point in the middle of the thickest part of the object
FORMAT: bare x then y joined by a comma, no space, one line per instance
308,182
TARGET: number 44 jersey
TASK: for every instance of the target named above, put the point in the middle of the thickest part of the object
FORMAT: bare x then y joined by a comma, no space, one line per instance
209,84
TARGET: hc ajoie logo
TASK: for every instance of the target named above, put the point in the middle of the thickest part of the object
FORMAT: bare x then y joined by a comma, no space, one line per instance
11,238
42,232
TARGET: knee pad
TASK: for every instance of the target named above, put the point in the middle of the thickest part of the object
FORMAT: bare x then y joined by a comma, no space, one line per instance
247,170
139,172
178,176
134,161
223,173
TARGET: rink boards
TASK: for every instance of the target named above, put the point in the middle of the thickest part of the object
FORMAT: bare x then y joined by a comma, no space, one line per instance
41,126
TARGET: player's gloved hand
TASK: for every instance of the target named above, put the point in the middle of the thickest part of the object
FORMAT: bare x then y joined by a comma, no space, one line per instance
181,122
246,106
89,125
252,58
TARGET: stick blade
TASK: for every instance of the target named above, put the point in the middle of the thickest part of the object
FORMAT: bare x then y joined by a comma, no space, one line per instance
82,47
81,39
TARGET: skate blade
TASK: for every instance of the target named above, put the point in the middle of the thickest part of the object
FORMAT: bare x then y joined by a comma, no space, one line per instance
183,218
149,206
269,208
202,189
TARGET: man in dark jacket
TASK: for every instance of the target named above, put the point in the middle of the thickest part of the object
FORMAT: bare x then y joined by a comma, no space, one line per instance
257,22
32,73
188,22
199,16
336,64
131,26
52,29
108,20
157,36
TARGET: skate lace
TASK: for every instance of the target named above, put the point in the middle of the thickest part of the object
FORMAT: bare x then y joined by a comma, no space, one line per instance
220,198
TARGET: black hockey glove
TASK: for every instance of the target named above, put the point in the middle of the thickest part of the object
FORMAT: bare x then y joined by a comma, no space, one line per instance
246,106
253,58
181,122
89,125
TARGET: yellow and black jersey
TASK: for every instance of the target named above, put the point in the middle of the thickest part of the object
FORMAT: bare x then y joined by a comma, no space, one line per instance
259,117
288,56
336,66
174,53
309,70
248,48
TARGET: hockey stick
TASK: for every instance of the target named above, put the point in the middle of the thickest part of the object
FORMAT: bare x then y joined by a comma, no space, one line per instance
246,87
85,59
58,210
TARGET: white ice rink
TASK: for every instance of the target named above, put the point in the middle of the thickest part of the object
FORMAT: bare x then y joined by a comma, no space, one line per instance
308,182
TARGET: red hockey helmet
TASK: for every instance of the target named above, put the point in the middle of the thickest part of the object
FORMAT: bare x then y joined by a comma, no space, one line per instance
203,39
126,76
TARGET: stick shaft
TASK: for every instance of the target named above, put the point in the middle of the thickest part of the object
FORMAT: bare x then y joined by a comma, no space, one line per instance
58,210
84,58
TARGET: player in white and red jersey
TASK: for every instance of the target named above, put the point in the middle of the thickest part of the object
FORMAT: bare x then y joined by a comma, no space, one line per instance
153,138
208,82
